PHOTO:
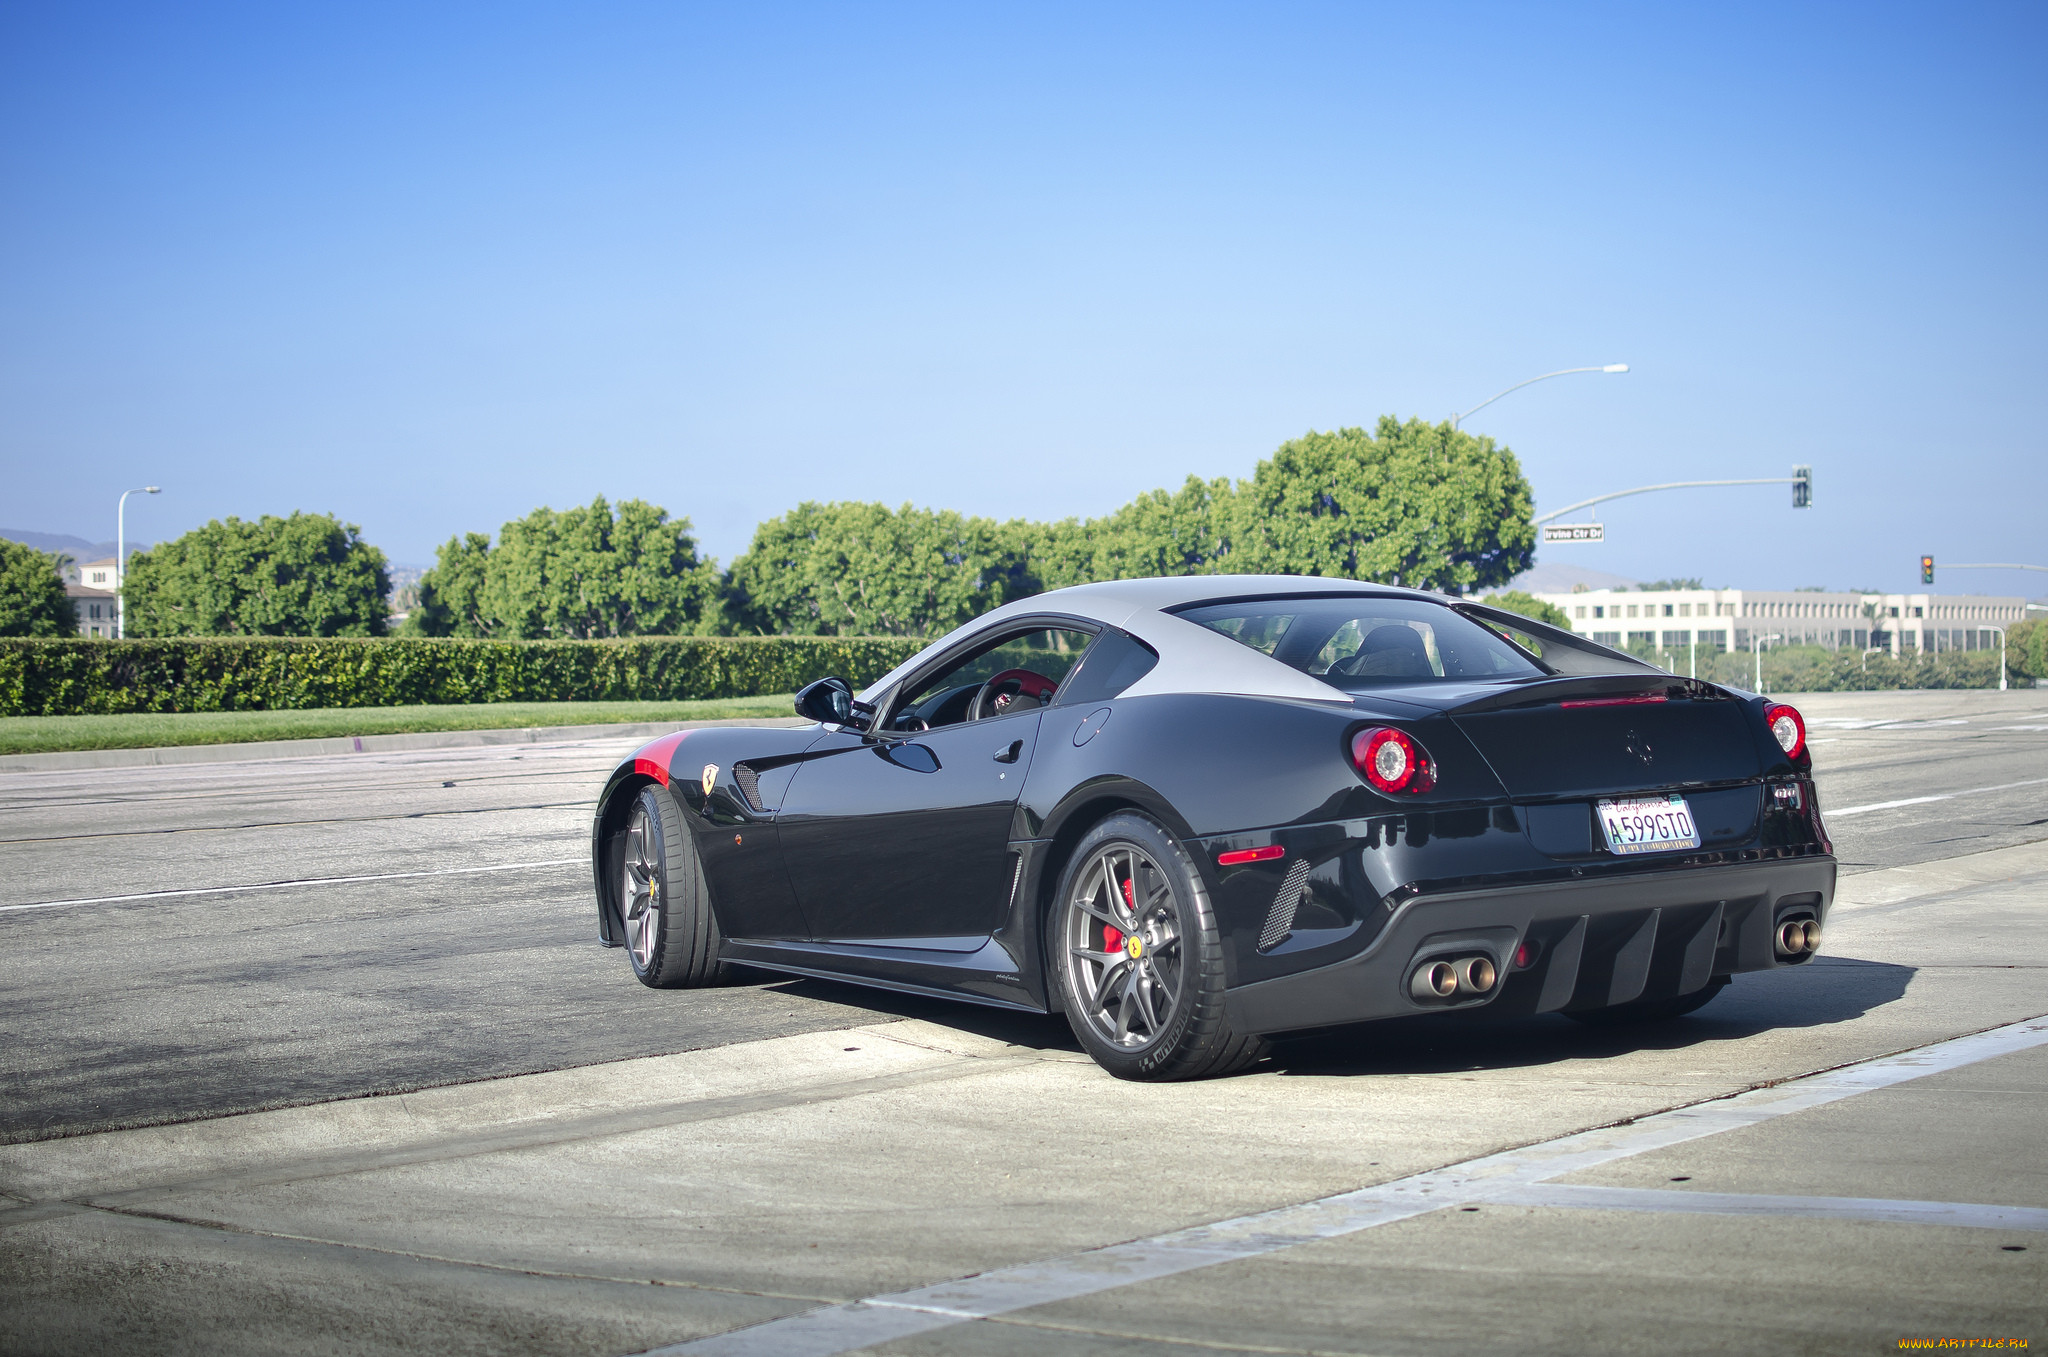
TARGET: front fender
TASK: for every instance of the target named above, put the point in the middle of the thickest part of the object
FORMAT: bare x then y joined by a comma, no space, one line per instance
650,763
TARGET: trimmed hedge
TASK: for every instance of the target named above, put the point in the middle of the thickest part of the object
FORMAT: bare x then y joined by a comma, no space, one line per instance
91,677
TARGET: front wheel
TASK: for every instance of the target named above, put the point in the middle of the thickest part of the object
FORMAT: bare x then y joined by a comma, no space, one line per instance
1139,961
664,902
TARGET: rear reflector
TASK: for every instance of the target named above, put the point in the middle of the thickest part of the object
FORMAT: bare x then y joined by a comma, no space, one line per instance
1266,854
1615,701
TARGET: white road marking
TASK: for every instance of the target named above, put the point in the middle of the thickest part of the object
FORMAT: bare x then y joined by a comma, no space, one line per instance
1863,723
1591,1198
1924,800
288,885
879,1319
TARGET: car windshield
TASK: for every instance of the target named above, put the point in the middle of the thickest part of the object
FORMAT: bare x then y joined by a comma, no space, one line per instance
1357,642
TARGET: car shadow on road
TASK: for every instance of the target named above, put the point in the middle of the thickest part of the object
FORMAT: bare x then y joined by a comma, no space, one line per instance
1825,991
1035,1031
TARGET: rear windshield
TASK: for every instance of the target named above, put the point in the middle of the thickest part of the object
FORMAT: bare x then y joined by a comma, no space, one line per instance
1358,642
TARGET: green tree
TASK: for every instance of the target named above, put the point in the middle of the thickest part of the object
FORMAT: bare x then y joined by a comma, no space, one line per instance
852,569
1161,532
1658,586
451,595
306,575
32,597
1412,503
1528,605
578,574
2026,648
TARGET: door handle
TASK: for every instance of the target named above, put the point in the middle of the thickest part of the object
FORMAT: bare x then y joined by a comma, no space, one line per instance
1010,755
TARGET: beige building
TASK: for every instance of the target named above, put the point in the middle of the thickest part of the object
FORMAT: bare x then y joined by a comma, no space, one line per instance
94,597
1729,619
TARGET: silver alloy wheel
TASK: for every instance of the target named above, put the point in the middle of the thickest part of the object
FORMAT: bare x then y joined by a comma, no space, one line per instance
1122,940
640,891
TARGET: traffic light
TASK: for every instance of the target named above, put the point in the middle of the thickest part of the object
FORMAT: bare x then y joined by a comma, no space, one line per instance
1802,487
1927,570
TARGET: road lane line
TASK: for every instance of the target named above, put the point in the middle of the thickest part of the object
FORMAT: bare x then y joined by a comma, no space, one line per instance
288,885
1586,1197
843,1328
1923,800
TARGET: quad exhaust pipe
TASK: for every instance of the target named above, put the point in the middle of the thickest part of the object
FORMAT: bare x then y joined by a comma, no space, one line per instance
1450,977
1798,937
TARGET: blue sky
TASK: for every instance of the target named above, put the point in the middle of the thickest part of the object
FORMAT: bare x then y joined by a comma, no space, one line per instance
427,267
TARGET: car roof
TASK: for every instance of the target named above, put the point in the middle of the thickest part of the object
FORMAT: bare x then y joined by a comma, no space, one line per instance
1192,658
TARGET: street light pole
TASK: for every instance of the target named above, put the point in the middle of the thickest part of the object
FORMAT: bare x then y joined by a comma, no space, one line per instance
1561,372
121,557
1756,651
2001,654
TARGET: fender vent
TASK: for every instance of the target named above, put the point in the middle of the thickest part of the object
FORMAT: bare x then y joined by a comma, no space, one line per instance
1016,875
1280,919
749,783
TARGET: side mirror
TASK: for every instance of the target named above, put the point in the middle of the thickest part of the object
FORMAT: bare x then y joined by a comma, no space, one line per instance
830,700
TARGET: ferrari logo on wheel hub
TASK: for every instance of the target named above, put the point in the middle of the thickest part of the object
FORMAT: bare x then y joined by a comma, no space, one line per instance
1134,946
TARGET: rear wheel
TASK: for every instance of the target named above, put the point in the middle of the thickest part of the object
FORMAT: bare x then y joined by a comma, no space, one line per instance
1134,945
671,934
1652,1010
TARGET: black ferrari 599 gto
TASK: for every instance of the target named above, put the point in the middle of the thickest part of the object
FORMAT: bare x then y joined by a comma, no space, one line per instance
1190,813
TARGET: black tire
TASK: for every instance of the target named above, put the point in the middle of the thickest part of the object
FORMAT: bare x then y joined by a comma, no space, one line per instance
671,934
1176,964
1652,1010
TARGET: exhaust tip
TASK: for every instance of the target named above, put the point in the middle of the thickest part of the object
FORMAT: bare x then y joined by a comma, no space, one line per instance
1476,973
1798,937
1437,980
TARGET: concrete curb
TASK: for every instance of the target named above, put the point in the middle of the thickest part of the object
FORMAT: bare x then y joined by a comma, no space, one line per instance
331,746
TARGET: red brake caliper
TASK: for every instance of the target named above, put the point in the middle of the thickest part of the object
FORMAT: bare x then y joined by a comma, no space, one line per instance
1113,941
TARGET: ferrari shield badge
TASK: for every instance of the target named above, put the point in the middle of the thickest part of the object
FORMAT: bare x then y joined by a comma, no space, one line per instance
710,777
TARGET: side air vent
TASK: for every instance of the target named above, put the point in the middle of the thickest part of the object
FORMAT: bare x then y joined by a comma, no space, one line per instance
1016,875
1280,919
749,784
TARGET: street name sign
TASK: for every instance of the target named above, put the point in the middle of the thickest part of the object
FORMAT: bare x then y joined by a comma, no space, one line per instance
1574,532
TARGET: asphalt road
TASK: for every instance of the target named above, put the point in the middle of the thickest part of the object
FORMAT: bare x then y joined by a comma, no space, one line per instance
808,1144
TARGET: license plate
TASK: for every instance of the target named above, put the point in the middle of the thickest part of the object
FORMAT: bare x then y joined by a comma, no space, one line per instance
1648,824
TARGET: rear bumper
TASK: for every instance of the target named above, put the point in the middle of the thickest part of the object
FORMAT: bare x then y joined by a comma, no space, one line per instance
1596,943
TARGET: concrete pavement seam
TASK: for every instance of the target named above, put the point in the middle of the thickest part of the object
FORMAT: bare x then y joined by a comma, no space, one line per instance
284,1237
1598,1197
538,1134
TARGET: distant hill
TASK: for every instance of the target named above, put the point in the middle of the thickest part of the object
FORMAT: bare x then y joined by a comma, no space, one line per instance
77,548
1551,578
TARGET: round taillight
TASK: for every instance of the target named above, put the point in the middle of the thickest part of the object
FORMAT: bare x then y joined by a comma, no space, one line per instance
1788,728
1392,761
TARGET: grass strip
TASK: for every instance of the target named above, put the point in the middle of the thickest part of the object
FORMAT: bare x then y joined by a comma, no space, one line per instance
54,734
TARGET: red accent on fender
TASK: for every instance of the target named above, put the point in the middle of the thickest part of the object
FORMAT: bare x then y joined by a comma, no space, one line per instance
1615,701
653,758
1266,854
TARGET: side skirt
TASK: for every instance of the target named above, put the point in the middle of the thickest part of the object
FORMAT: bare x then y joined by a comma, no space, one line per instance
988,976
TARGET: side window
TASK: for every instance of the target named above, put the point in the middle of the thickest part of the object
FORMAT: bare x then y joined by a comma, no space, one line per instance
1114,663
1023,671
